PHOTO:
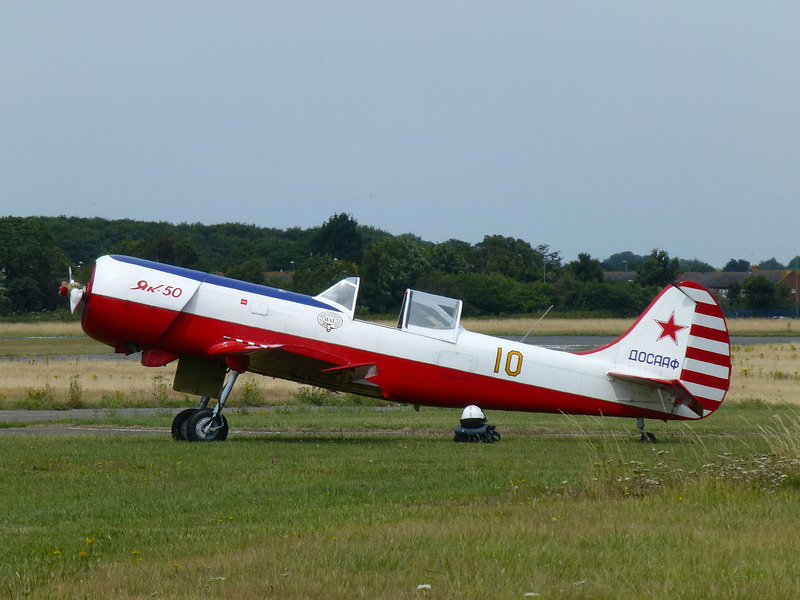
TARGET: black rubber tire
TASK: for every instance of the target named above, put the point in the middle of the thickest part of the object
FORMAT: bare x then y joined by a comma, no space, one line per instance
196,422
178,422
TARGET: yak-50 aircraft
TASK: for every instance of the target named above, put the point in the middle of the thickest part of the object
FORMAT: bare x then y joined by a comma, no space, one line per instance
673,363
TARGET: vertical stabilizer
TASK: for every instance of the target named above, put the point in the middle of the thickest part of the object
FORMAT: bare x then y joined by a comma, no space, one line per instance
679,344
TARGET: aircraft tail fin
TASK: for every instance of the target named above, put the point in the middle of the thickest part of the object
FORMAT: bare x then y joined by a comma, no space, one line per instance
680,344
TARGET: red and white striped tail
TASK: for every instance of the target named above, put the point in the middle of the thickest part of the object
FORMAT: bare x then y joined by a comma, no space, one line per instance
707,367
680,345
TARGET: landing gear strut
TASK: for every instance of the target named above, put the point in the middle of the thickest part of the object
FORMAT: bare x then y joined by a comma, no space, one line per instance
203,424
646,436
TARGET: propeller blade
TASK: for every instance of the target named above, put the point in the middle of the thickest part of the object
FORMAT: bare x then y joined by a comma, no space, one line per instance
75,297
74,290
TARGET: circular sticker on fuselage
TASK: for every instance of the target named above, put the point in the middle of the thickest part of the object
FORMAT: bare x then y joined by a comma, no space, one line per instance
329,320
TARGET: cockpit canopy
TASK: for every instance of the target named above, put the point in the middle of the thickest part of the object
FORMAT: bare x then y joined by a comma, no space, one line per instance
422,313
431,315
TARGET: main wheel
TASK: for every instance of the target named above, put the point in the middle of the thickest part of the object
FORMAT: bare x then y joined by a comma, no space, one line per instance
178,429
203,427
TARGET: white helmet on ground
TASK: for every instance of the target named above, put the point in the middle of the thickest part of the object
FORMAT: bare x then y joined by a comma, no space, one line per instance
473,412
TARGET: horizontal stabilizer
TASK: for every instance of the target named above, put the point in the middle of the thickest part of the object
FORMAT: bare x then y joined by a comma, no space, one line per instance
672,386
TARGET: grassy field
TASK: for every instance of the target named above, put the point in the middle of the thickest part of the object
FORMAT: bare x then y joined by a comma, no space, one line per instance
359,502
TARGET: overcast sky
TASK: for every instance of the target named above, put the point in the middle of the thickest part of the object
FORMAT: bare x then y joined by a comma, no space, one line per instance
594,127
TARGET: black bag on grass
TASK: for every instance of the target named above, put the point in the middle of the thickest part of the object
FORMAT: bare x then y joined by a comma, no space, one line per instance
485,433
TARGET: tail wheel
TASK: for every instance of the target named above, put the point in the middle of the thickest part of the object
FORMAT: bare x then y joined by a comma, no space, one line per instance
202,426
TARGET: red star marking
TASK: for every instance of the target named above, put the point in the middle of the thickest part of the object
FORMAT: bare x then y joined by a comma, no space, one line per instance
670,329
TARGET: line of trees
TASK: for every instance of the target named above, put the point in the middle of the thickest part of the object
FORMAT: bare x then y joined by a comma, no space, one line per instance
497,276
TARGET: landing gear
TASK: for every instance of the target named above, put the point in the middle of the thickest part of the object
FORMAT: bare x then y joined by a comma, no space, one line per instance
645,436
203,424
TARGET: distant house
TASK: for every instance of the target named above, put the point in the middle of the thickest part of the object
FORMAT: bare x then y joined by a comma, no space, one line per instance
720,281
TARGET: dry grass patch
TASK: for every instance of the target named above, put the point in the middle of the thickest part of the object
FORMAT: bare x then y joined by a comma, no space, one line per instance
764,327
44,384
521,326
767,372
70,328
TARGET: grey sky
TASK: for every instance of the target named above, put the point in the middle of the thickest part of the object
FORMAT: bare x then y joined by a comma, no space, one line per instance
593,127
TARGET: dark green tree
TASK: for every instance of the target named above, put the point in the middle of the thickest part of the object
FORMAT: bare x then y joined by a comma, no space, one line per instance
492,294
5,303
771,265
253,270
623,261
586,268
696,266
388,268
513,258
551,263
734,297
317,273
167,249
613,299
339,237
658,269
33,265
737,266
759,292
451,257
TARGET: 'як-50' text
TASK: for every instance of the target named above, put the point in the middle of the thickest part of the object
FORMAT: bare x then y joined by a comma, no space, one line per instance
164,290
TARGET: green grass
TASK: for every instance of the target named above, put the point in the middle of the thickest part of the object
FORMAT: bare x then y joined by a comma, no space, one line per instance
49,346
343,503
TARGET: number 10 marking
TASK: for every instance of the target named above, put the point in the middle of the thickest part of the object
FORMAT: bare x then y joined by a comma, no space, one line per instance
513,364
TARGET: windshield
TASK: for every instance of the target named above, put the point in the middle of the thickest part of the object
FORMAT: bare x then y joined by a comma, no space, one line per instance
431,315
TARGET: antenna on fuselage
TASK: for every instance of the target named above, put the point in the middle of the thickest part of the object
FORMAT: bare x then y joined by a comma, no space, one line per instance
535,324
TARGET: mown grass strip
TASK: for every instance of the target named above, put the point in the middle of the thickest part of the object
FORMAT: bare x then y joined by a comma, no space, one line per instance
50,346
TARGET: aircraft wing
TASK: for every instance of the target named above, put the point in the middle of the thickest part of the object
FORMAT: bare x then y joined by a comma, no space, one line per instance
672,386
303,364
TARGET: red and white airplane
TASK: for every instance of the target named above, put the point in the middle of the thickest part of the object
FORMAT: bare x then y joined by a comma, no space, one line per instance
673,363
